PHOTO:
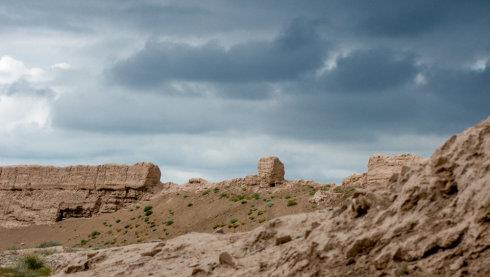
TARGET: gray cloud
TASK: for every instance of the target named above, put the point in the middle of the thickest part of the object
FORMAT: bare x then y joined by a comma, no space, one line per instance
23,87
208,87
372,70
296,51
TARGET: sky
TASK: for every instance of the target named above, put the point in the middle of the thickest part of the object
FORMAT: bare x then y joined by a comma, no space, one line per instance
205,88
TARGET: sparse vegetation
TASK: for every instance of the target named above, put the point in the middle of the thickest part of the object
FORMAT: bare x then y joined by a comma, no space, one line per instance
47,244
189,205
147,208
292,202
348,190
94,234
233,223
27,266
169,222
269,203
118,220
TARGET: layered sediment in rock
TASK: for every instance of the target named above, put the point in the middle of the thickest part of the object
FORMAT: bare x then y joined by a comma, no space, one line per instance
44,194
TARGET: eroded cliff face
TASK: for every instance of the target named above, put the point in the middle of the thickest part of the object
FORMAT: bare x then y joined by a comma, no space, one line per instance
45,194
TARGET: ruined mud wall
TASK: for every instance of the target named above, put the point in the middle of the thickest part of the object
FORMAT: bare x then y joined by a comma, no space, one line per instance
45,194
382,168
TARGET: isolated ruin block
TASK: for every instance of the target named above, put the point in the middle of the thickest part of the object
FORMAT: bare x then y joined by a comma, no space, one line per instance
271,170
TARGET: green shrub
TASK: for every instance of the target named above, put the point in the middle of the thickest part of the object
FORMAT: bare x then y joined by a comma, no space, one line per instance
169,222
31,262
148,213
29,266
291,202
269,203
47,244
118,220
223,195
147,208
94,234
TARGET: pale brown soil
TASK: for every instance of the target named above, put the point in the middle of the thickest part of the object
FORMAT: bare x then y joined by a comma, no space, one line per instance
174,212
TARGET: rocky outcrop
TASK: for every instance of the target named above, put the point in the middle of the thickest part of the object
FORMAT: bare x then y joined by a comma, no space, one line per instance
271,170
44,194
381,169
431,219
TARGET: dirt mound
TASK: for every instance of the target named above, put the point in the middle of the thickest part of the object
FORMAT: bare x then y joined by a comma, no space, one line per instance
45,194
432,219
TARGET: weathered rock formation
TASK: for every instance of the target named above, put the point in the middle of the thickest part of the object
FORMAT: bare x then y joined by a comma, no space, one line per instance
432,219
271,170
44,194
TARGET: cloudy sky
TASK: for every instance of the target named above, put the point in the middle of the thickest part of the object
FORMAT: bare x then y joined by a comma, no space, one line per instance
204,88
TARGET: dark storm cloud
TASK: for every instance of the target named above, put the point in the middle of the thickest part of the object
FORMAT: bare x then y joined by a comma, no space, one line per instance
296,51
254,68
372,70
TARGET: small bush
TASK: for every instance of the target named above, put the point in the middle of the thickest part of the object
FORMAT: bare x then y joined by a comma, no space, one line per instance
30,265
148,213
47,244
118,220
169,222
292,202
189,205
269,203
147,208
233,221
94,234
31,262
223,195
206,192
